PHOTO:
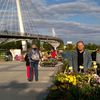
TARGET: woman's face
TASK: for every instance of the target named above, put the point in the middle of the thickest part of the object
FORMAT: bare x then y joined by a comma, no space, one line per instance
80,46
34,46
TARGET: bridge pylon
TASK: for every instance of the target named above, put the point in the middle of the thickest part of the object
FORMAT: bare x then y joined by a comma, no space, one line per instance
21,26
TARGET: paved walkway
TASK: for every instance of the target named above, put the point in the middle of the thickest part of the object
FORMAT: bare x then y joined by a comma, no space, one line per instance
14,85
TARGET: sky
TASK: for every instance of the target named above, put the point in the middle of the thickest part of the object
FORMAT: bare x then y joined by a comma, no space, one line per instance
73,20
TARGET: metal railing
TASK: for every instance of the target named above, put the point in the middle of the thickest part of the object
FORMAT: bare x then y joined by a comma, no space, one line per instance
17,35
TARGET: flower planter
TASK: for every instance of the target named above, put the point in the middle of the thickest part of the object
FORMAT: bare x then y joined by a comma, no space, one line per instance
49,63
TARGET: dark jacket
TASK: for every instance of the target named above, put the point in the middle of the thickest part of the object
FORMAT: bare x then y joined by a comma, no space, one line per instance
93,55
27,60
96,56
87,60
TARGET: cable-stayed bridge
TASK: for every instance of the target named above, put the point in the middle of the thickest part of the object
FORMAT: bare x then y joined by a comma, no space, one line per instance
10,12
17,21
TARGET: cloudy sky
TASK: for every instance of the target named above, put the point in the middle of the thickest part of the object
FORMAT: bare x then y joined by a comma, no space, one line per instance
72,20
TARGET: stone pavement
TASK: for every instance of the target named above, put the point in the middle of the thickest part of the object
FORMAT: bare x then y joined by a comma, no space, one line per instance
14,85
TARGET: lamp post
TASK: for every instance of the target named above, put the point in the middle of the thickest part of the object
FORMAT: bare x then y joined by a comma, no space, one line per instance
21,26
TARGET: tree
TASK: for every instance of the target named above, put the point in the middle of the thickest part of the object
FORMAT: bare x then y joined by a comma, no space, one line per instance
47,46
11,45
61,46
37,42
91,46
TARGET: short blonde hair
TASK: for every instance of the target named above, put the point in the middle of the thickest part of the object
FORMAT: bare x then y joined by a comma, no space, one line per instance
34,46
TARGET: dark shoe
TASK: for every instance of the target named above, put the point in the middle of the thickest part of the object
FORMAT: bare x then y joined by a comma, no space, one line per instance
29,80
37,80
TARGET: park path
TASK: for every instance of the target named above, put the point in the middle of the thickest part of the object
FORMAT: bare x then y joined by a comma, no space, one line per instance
14,85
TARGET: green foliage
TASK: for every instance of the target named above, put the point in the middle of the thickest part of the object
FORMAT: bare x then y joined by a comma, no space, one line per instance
48,63
67,91
61,46
37,42
91,46
28,45
2,55
61,92
65,65
69,47
47,46
11,45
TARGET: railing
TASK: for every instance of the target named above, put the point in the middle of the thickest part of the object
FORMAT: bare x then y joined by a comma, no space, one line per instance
17,35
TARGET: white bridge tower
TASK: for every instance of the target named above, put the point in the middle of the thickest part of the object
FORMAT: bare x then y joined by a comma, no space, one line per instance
21,26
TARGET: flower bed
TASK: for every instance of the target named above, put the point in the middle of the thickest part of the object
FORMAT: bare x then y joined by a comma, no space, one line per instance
75,86
49,63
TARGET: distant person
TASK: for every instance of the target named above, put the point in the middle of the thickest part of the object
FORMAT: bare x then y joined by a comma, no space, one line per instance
27,60
96,56
49,55
81,57
67,54
34,57
27,66
53,53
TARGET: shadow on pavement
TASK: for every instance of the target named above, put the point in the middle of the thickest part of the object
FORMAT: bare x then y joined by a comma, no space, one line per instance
20,91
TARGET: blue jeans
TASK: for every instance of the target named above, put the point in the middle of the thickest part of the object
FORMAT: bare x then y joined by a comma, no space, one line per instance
34,70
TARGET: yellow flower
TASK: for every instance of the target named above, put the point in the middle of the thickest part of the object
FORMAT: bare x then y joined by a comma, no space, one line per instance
81,67
66,79
63,78
71,79
95,66
70,68
94,62
74,83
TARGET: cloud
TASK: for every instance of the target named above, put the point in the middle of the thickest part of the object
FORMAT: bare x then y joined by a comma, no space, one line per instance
37,16
72,26
60,11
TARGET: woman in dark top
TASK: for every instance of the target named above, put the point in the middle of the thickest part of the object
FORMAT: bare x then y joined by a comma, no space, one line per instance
27,67
27,60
